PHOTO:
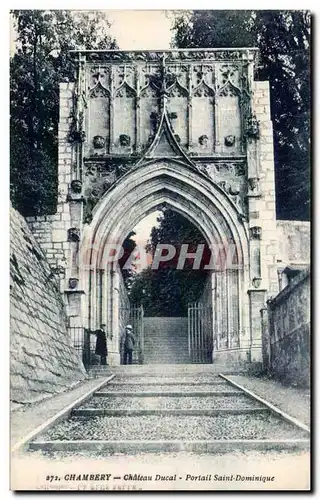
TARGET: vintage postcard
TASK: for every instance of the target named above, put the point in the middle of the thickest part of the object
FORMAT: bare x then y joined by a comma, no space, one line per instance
160,250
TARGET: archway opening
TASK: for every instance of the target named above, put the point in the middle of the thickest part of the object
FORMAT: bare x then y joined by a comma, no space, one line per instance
178,187
166,271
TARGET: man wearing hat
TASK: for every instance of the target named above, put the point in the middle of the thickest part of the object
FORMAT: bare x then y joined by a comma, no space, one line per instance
129,342
101,344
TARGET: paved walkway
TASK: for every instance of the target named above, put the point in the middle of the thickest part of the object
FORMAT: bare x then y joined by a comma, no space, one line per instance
34,468
27,418
292,400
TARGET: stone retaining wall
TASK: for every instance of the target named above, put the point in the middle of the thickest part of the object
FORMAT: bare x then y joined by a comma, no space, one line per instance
286,335
43,361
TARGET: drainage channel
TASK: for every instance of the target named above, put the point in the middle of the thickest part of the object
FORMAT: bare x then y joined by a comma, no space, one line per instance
213,415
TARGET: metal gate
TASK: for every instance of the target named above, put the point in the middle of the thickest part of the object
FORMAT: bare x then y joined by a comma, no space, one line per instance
200,333
134,316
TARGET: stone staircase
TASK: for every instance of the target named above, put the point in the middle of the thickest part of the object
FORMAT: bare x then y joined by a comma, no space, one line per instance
169,347
187,409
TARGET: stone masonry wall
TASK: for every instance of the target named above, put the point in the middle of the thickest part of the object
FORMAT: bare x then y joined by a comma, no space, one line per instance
265,213
43,361
289,332
51,231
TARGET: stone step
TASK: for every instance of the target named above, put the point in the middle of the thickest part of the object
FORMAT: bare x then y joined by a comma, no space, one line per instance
168,427
180,394
181,412
162,402
140,410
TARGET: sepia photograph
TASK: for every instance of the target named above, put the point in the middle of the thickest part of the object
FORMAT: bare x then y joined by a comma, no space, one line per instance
160,241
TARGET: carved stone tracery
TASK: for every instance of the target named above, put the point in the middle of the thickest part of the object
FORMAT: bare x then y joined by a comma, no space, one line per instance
165,83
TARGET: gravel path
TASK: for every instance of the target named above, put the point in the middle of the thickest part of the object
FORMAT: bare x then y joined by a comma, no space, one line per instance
168,388
163,402
167,427
294,401
29,417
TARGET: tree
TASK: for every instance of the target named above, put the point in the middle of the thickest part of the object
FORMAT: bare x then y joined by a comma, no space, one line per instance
167,291
39,64
283,39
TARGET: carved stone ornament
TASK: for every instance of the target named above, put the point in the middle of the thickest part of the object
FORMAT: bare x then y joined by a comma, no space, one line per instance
256,282
218,54
177,138
74,234
253,183
124,140
240,169
255,232
229,140
252,128
76,186
73,283
98,142
87,219
229,188
203,140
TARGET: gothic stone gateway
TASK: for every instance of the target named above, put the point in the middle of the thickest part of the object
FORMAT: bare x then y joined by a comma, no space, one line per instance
189,129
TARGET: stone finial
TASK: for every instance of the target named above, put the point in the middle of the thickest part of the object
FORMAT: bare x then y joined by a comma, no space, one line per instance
74,234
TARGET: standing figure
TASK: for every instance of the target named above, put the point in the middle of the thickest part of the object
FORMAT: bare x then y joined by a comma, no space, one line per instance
129,342
101,344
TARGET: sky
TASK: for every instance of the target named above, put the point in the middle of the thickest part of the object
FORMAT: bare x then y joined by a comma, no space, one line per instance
140,29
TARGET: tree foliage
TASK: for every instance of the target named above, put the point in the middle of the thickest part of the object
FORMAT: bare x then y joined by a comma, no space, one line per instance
40,62
167,291
283,39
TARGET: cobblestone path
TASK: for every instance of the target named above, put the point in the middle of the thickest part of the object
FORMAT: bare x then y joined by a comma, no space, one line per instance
199,413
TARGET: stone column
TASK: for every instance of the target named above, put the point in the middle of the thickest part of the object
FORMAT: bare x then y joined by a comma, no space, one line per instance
114,345
262,214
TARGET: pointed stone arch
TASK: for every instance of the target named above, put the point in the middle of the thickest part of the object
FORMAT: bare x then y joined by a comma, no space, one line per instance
139,192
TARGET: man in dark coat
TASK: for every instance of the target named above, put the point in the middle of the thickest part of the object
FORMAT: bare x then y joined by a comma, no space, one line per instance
129,342
101,344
